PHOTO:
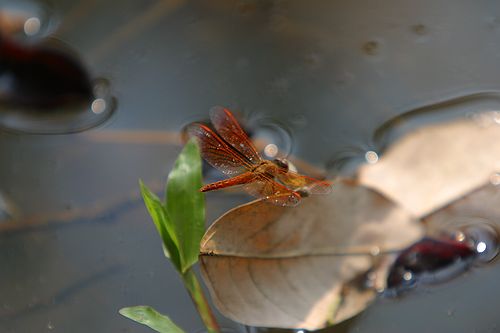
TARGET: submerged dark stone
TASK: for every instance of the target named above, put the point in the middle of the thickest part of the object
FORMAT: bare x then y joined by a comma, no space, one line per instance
429,261
41,77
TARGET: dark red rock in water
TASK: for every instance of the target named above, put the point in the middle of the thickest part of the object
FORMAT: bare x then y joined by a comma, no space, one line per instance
45,89
40,77
430,261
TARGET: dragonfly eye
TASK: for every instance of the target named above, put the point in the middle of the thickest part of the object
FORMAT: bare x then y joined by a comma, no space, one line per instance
304,192
282,163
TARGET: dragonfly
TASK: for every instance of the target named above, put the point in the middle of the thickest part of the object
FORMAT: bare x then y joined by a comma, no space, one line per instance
230,150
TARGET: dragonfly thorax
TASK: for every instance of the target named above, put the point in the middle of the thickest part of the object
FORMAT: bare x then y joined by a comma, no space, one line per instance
268,168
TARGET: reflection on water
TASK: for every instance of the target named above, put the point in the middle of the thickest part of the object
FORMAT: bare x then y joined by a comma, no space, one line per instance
330,72
346,161
474,242
44,89
481,236
428,261
482,107
475,105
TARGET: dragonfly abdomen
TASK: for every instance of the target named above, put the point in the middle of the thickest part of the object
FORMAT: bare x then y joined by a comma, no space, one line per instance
244,178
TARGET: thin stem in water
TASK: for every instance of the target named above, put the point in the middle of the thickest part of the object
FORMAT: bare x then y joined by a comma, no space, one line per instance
198,296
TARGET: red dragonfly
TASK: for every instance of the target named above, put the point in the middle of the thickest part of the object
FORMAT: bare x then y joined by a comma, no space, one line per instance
231,151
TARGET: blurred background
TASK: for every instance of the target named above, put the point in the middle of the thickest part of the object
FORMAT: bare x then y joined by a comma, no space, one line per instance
317,78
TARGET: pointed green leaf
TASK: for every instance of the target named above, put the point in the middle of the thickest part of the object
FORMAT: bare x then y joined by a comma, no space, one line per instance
162,222
148,316
186,204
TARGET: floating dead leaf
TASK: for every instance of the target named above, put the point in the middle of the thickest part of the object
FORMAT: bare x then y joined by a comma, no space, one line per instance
306,266
437,164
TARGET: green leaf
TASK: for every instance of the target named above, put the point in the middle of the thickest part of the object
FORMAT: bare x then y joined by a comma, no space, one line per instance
162,222
186,204
148,316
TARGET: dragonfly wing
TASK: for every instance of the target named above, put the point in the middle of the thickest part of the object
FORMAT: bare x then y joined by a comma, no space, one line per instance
271,191
229,129
299,182
217,152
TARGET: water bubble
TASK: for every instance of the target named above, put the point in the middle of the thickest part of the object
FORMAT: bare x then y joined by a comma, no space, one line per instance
32,26
484,239
271,150
98,105
347,161
481,247
459,236
26,19
371,157
407,276
273,137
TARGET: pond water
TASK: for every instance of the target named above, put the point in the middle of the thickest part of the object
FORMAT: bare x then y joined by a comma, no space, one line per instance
321,79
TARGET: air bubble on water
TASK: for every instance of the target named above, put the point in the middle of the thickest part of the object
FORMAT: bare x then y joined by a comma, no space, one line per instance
459,236
98,105
371,157
39,18
484,239
481,247
347,161
272,137
271,151
32,26
407,276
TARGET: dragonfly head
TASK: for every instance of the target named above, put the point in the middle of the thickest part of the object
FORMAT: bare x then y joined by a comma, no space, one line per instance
282,163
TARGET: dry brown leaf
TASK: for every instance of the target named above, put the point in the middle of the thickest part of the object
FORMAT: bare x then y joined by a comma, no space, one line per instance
306,266
435,165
